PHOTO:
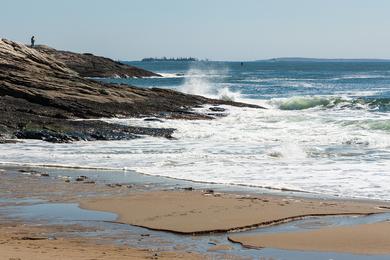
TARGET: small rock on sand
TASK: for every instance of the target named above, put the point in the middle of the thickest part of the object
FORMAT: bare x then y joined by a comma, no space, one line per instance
81,178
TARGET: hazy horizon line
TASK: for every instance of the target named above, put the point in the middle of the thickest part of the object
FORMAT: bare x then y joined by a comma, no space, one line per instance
279,59
282,58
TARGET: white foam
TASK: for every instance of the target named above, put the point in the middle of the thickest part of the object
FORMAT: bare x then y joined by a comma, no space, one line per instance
199,82
361,76
322,151
171,75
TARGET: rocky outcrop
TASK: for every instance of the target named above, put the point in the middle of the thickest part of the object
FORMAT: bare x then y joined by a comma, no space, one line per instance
40,98
94,130
89,65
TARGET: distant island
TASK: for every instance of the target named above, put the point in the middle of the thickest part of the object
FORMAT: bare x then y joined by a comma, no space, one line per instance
170,59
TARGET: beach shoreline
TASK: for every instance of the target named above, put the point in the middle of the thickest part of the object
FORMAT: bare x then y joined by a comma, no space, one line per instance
180,209
366,239
202,212
19,241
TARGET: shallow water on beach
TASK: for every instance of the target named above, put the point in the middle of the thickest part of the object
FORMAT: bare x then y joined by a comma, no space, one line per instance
326,129
102,226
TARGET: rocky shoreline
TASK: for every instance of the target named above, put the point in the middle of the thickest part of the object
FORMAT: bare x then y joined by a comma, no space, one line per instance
44,94
89,65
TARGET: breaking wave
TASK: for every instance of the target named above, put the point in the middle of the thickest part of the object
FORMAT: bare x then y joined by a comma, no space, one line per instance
200,82
300,103
308,102
171,75
383,125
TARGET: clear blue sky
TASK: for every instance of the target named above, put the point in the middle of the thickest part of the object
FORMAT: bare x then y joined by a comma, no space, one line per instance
216,29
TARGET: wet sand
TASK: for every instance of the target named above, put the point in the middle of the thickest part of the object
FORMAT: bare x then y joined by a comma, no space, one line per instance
199,212
22,242
175,210
357,239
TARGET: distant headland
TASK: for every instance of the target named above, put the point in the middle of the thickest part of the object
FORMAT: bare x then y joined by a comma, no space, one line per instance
300,59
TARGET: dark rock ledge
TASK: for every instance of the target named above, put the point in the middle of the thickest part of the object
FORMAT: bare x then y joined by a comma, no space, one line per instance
89,65
41,97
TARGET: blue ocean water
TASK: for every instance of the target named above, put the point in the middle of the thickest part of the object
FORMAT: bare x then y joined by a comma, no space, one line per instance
365,81
326,129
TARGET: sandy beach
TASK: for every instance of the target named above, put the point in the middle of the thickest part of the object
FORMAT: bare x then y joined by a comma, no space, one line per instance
181,211
359,239
200,212
23,242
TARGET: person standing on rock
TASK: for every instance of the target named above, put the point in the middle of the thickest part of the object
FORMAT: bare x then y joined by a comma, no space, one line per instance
32,41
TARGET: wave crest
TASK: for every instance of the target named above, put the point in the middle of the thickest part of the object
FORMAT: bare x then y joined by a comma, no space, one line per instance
301,103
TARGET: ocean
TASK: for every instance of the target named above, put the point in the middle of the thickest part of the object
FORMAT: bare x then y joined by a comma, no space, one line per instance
326,129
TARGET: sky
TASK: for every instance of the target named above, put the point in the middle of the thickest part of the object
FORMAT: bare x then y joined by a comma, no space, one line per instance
214,29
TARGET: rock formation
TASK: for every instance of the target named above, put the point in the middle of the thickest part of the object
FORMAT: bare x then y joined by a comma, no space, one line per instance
89,65
40,98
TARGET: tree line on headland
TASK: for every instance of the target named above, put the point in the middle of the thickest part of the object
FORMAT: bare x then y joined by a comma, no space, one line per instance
170,59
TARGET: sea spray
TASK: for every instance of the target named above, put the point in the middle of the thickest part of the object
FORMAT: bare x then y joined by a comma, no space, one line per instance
199,81
333,140
288,151
228,95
